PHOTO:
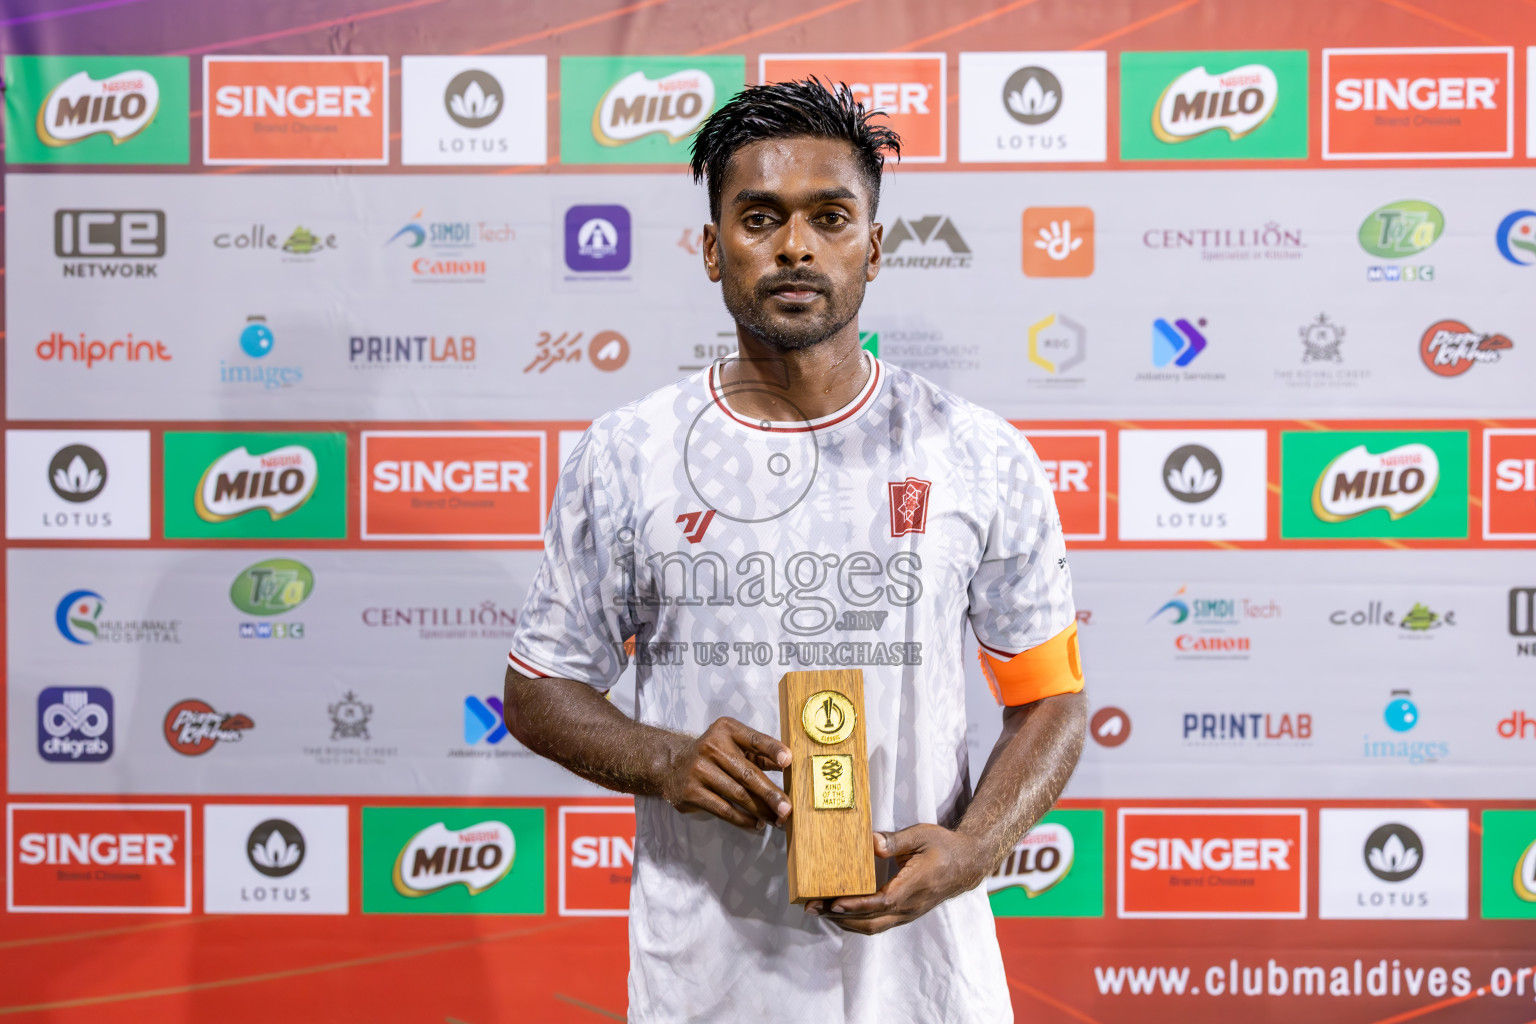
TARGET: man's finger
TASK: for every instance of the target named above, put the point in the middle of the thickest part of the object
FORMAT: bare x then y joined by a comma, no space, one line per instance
871,925
726,811
720,782
900,844
772,797
760,743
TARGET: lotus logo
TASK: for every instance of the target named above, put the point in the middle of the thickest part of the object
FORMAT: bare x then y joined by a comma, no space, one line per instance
78,107
473,98
1394,853
1032,95
77,615
1401,481
280,481
1236,101
1038,861
1192,473
635,107
476,857
275,848
77,473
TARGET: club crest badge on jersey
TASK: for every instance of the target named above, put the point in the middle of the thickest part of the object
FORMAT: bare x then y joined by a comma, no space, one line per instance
909,506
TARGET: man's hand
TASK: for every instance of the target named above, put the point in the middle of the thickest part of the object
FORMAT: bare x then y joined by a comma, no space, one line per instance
933,864
721,772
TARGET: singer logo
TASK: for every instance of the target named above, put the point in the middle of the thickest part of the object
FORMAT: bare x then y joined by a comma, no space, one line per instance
908,88
296,110
597,856
1451,102
909,506
1509,484
1213,863
482,485
1073,461
99,858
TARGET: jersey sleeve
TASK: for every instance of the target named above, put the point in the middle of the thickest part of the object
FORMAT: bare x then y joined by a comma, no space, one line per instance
1021,596
576,618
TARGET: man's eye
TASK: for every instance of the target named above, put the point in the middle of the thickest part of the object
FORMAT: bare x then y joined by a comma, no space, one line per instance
757,220
835,218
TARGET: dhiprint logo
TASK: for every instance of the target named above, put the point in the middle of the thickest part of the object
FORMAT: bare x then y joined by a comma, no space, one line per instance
927,233
1192,473
77,473
1110,727
77,616
909,506
1450,348
1516,238
1032,95
597,239
1178,343
1058,241
1453,102
1393,853
473,98
275,848
193,727
484,721
74,724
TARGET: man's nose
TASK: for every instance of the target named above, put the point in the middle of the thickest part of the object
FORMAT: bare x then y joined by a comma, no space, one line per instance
796,246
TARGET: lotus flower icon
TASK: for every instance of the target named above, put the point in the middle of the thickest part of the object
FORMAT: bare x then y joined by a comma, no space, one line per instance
77,478
275,847
473,98
1032,95
1192,473
1033,100
473,104
1394,852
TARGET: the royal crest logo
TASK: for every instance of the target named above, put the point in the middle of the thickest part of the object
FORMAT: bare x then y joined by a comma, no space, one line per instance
1236,101
909,506
120,105
476,857
280,481
1400,480
636,106
1450,348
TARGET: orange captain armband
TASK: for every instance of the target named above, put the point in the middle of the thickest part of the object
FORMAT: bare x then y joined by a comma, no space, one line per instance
1044,671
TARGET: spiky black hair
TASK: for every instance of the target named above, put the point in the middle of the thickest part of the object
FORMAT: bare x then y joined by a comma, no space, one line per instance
785,110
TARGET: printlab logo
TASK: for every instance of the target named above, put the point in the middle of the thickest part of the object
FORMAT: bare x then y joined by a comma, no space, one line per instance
1239,729
1394,853
77,473
1178,343
935,235
256,341
484,721
1110,727
96,240
597,239
1397,231
1056,345
1515,237
1058,241
1449,348
608,351
193,728
349,718
1192,473
74,724
96,110
275,848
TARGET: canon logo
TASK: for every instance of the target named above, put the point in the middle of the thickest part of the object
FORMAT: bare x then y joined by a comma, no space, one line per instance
1415,94
293,101
459,476
1149,854
126,848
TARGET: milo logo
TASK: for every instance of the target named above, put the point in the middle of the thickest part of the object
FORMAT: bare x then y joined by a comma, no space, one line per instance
121,105
1399,480
636,106
476,857
1038,861
1196,102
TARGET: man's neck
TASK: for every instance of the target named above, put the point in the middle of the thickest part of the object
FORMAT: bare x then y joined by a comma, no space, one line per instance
803,384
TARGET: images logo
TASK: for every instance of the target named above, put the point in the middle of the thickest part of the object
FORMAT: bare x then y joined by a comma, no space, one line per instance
1401,715
1213,863
296,110
1057,343
453,485
135,237
77,473
484,721
1055,870
96,110
1192,473
1509,865
216,483
193,728
597,239
77,614
1509,484
597,857
1371,484
907,88
1177,343
1449,102
633,110
99,858
453,860
1516,238
256,340
928,233
1073,461
74,724
1058,241
1220,105
1450,348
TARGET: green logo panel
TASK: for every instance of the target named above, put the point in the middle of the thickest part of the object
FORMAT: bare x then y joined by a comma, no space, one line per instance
96,110
1047,879
1214,105
1373,484
1509,864
640,110
290,485
453,860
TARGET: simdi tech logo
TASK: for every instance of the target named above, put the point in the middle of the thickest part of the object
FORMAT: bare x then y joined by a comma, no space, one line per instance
1055,870
98,859
453,860
1223,862
96,110
473,110
471,485
1451,102
640,110
597,860
1373,484
296,110
907,88
255,485
1213,105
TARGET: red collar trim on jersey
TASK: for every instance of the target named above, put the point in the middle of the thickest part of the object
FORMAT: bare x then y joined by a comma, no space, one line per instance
784,427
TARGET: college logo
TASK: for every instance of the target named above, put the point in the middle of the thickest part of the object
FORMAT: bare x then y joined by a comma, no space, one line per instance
263,859
1509,484
296,110
1109,727
1418,104
908,89
74,724
1398,863
909,506
1509,865
929,234
193,728
597,858
1221,105
56,484
255,485
1373,484
453,485
132,236
1418,621
453,860
1058,241
1074,463
298,246
635,110
1194,484
1032,107
473,110
96,110
1213,863
99,858
607,351
1178,343
597,239
1450,348
1516,238
1055,870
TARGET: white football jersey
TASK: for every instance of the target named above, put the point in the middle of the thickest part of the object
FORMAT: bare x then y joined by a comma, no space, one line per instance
734,551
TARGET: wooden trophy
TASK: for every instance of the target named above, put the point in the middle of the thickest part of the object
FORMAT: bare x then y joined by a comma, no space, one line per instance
821,721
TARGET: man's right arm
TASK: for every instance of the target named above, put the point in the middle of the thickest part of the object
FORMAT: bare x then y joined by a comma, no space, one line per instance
720,772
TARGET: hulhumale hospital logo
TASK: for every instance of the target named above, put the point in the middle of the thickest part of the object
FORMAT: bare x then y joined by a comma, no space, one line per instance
1516,238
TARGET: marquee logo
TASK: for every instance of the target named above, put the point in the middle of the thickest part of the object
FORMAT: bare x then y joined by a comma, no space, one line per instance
296,110
1196,102
1450,348
1399,480
453,485
279,481
1213,863
192,727
80,858
96,110
1373,483
74,724
1213,105
1453,102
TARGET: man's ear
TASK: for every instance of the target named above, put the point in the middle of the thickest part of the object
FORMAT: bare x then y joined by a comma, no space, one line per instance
876,242
711,250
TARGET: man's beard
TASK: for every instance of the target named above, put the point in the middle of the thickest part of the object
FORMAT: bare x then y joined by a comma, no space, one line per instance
797,330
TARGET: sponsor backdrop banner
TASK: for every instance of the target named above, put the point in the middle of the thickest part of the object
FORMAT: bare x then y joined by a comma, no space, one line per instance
305,306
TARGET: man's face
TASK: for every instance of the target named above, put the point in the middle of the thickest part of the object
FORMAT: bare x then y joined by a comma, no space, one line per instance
796,244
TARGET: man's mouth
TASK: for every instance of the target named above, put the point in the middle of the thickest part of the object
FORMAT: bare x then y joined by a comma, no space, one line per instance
795,291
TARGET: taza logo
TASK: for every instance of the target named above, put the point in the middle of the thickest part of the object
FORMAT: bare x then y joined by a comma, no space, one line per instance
1400,480
275,848
279,481
1450,348
1394,852
1404,228
476,857
1192,473
1236,101
272,587
77,473
74,724
121,105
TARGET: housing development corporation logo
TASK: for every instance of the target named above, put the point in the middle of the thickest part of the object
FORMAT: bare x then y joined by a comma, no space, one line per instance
907,89
1452,102
296,110
1373,484
1218,105
1032,107
1449,348
121,244
633,110
83,858
1212,863
255,484
453,860
96,110
74,724
1054,870
1057,344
